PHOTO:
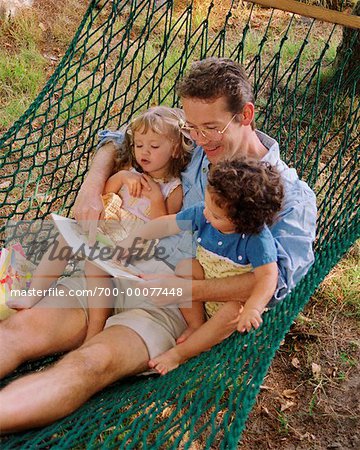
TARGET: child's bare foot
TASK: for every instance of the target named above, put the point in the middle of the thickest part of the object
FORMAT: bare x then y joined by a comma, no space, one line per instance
188,332
167,361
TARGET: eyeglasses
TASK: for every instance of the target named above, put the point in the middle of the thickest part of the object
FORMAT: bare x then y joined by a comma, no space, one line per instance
210,134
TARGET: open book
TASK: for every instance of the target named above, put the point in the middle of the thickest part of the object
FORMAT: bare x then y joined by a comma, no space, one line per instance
99,254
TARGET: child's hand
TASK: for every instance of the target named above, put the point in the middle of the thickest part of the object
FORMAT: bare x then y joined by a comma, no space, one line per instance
133,182
151,189
249,318
123,252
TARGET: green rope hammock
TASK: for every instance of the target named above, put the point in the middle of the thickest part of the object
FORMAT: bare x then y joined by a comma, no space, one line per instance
125,57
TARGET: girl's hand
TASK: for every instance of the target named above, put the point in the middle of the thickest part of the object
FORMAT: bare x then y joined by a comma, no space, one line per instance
249,318
151,189
133,182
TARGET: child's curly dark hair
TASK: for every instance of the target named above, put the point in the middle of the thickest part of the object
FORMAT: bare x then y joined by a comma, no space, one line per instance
250,191
161,120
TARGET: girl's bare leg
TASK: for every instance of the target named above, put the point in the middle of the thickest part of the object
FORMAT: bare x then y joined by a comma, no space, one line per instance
101,300
50,268
194,313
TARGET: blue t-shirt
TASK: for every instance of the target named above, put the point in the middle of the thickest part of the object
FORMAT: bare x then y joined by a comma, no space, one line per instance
294,232
244,249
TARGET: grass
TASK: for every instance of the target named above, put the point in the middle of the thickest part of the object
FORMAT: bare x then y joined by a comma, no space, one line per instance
22,68
326,332
341,287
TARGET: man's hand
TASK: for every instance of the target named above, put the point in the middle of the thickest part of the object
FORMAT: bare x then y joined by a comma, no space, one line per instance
87,210
166,289
249,317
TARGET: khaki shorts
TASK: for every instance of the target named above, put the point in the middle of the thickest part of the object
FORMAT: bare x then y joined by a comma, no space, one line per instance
158,327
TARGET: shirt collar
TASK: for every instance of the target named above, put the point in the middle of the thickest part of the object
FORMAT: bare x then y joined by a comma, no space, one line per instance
273,154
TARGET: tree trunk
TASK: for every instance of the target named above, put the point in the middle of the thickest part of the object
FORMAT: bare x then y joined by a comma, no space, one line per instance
350,41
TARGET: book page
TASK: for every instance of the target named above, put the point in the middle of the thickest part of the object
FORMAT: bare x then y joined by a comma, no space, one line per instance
77,239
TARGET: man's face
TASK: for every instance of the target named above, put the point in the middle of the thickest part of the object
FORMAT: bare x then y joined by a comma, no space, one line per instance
214,115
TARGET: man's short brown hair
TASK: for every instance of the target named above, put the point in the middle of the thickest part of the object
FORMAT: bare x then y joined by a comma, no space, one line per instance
249,191
212,78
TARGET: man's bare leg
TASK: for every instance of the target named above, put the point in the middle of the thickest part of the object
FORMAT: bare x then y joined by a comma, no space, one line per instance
40,331
214,331
43,397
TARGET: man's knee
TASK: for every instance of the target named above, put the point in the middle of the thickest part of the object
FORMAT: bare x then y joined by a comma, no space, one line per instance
94,360
37,330
20,322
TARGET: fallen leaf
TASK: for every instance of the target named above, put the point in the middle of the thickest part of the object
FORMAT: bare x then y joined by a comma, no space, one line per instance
290,393
296,363
286,405
316,370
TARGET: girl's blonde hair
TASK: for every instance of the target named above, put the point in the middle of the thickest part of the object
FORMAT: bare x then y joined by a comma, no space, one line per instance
164,121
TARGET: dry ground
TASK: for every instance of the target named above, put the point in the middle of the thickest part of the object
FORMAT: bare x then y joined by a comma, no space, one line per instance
310,398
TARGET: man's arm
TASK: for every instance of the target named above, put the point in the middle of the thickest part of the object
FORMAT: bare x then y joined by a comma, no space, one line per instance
88,205
236,288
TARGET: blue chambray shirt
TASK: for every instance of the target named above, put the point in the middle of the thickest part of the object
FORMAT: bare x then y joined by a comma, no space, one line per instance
294,232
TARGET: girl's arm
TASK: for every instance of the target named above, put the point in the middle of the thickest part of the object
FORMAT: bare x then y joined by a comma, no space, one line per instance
152,191
158,205
130,179
174,201
265,284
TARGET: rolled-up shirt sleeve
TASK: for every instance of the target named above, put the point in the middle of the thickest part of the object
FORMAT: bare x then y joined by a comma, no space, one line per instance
105,136
294,235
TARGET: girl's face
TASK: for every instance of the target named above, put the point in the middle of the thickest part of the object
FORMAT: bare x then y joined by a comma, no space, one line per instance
153,152
217,216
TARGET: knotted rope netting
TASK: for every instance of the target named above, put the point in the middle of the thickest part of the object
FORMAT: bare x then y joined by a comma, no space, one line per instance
125,57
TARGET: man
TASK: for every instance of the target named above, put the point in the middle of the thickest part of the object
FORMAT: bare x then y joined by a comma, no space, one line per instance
219,108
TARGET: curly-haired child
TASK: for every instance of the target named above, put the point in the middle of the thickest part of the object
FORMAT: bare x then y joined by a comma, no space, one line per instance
242,199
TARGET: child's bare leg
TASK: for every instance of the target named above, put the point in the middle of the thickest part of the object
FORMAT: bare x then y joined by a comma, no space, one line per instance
100,298
194,313
48,271
212,332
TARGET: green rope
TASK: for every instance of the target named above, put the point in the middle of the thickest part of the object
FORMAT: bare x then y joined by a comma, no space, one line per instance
126,56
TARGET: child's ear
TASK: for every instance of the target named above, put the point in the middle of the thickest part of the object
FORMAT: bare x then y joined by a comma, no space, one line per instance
247,114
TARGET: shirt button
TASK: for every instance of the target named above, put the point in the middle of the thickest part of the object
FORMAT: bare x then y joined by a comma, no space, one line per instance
240,258
198,239
220,243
